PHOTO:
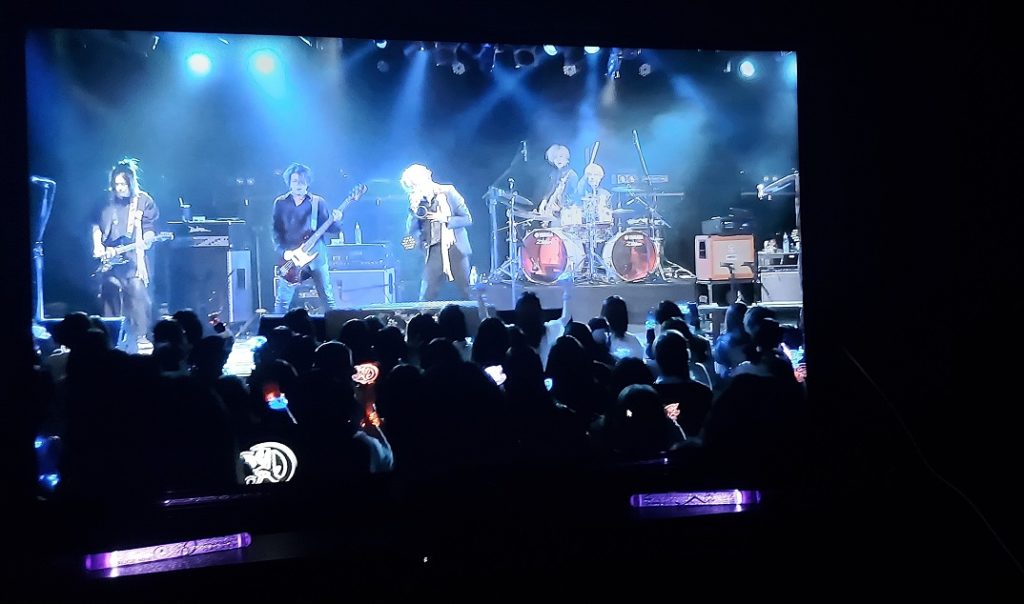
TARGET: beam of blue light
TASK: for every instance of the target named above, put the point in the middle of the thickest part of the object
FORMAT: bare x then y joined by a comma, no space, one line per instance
505,82
789,70
407,112
199,63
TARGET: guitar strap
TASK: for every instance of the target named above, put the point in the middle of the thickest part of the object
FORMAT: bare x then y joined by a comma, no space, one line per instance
314,215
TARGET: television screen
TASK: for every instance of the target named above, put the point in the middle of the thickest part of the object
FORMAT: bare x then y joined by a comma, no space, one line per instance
290,260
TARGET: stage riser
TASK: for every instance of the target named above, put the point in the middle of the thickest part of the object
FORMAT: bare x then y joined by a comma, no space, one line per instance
586,300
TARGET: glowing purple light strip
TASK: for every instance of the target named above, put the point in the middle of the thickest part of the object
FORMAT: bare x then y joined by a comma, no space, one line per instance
733,497
167,551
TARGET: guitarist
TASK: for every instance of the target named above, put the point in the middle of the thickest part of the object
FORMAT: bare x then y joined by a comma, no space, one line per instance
560,185
438,217
128,215
294,218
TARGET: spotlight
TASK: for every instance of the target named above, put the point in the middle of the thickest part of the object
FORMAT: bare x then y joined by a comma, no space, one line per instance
413,48
156,40
550,50
263,61
487,58
747,68
458,68
572,57
728,67
590,50
614,63
199,63
645,70
382,44
524,57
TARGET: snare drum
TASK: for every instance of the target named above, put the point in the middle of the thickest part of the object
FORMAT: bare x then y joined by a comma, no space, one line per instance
547,254
631,255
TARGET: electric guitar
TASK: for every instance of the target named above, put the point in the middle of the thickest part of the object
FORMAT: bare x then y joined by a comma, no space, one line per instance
122,252
291,265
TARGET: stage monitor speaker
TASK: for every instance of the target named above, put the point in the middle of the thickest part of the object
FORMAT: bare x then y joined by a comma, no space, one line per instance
352,289
781,286
715,253
210,279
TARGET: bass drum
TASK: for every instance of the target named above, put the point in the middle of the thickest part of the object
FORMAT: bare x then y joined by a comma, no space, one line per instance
631,255
548,254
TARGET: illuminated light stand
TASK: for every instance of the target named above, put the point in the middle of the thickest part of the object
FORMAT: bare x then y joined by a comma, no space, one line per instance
167,551
697,498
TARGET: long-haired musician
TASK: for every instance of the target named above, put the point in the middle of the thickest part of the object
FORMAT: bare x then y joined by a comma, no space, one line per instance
438,217
128,215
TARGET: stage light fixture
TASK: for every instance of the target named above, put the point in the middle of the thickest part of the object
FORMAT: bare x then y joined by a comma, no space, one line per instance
524,57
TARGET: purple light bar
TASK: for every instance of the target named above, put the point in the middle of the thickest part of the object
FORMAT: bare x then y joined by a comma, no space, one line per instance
167,551
185,501
733,497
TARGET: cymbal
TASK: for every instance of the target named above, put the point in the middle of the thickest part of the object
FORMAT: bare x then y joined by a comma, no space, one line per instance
515,201
531,215
624,212
627,189
678,194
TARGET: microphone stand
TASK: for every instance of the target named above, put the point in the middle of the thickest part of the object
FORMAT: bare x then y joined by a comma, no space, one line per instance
650,207
49,192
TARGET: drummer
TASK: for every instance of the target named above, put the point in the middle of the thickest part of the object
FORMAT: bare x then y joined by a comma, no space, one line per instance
596,200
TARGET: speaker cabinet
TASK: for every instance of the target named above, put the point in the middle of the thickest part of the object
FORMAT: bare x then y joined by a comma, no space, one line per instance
210,279
716,253
781,286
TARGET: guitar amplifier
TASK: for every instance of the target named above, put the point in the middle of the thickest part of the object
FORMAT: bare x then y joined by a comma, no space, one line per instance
352,289
359,256
727,225
208,233
715,254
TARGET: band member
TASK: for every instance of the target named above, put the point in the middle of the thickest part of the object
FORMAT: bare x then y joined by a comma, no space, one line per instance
296,214
438,216
128,215
561,184
596,200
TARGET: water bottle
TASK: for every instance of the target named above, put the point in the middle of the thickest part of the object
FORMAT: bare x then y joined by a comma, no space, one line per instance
473,277
785,243
359,234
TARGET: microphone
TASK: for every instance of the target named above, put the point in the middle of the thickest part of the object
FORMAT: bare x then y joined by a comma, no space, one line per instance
526,156
41,180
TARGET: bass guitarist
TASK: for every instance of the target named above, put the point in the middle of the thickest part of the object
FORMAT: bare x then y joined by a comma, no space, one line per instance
296,214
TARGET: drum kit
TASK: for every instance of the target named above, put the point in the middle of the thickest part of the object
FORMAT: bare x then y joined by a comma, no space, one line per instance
589,242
